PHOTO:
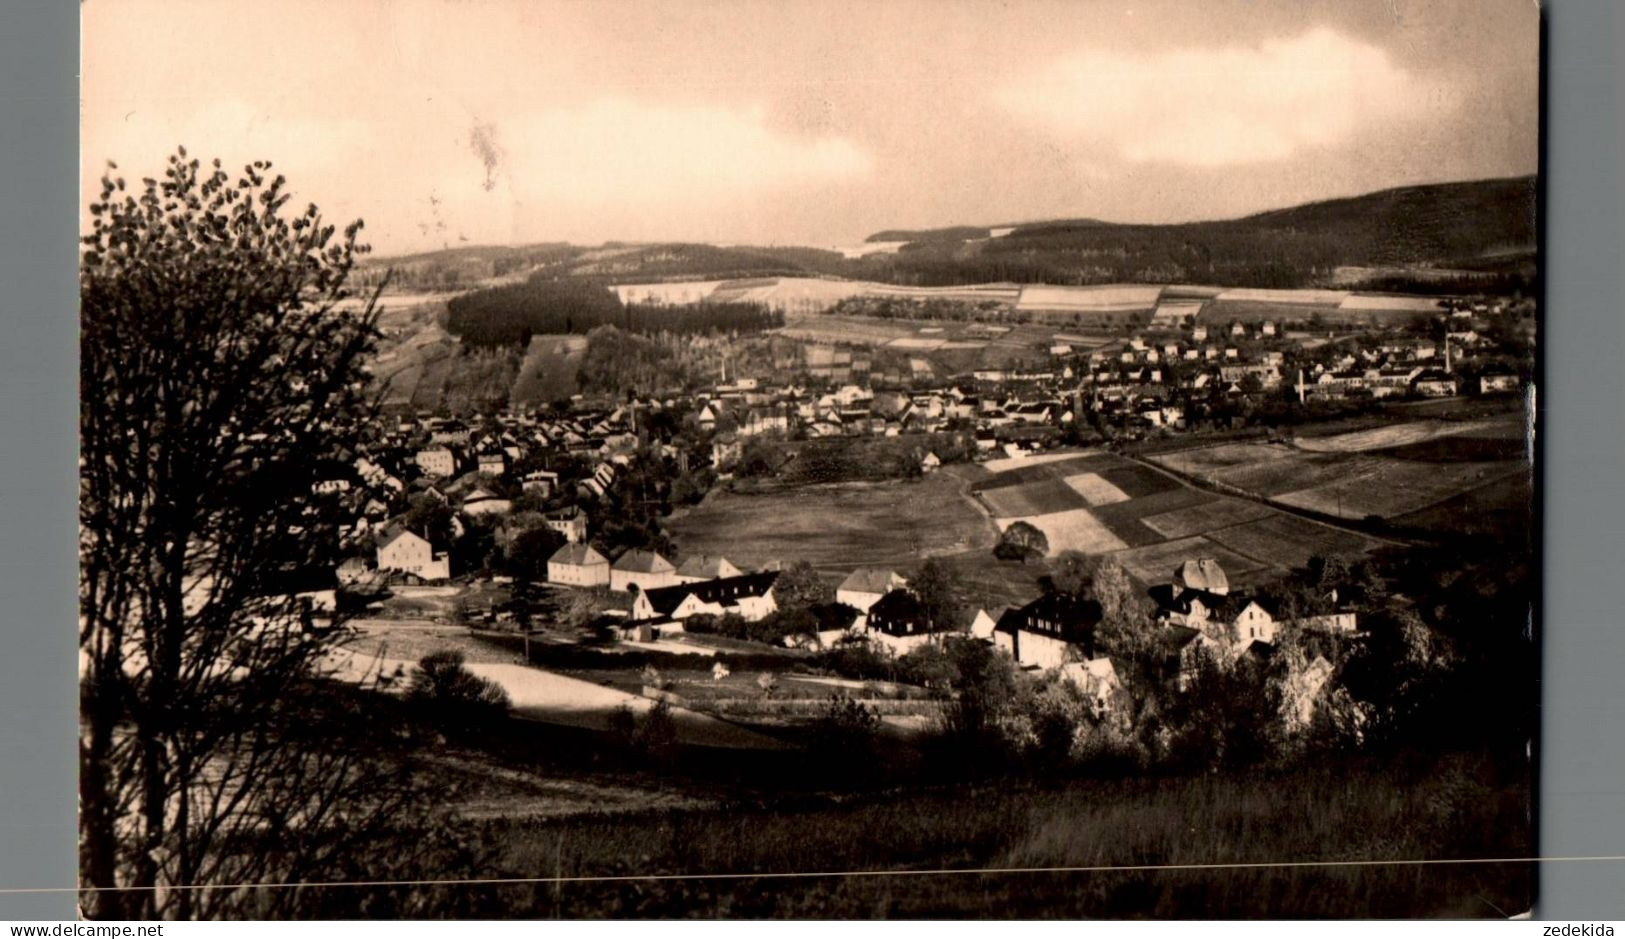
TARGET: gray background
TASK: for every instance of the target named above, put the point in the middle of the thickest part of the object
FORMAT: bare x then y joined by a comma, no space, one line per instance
1582,797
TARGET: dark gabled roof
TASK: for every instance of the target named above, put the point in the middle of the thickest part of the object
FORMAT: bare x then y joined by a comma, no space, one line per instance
899,608
1009,621
1178,637
1063,615
1227,608
1175,599
724,590
1259,651
834,615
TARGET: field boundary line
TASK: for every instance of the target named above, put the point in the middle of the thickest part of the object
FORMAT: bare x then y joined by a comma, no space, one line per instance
1225,490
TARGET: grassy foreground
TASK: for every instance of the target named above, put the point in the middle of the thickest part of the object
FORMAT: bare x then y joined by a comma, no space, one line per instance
1450,808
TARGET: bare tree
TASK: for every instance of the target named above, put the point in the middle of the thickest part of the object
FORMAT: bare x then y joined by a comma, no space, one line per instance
221,363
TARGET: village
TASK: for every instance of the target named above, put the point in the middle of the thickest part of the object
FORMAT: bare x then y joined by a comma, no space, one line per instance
546,523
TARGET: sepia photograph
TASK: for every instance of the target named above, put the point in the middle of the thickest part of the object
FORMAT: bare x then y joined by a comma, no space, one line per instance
913,459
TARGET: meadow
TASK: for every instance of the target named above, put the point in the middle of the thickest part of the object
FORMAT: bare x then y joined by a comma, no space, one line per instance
1393,472
917,854
839,526
548,372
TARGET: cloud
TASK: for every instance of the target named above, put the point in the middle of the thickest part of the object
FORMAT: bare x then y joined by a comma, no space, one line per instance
1212,107
619,149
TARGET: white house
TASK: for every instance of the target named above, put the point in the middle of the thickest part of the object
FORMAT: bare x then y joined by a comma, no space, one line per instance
981,625
570,522
437,461
748,596
1254,623
578,565
541,481
1048,632
865,586
410,553
645,570
1097,679
703,567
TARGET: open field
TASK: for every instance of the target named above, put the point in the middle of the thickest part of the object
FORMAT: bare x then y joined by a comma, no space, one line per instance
1073,530
1127,519
1395,487
1365,813
1089,501
1388,472
552,698
1206,516
837,527
1391,435
1095,489
1151,522
1501,509
1007,471
1287,540
951,345
1464,447
990,583
1155,564
1034,498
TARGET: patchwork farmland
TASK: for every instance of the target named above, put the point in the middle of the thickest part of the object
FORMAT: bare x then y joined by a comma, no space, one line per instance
1100,503
1394,473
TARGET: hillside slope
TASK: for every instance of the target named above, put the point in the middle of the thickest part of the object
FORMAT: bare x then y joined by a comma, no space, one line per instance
1482,232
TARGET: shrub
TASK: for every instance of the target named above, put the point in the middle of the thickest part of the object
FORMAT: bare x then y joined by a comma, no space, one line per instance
452,696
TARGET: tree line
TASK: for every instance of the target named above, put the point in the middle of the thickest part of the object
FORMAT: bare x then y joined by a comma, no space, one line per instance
511,314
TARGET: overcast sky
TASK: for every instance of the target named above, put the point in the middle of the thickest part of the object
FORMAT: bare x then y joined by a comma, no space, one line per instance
444,123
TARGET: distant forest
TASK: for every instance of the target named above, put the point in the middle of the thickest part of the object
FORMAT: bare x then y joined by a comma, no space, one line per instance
1472,226
1476,237
509,315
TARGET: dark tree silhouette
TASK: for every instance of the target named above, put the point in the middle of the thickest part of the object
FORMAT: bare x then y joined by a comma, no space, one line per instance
1022,541
221,364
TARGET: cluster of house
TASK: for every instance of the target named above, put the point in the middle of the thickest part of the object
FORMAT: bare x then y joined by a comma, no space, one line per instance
1143,382
477,469
1396,368
1199,616
1204,617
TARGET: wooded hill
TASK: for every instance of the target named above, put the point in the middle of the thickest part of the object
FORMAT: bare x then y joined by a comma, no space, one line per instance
1469,237
1484,229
